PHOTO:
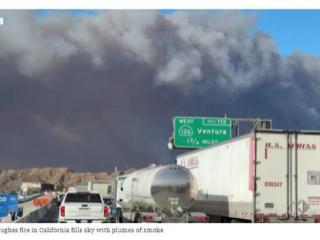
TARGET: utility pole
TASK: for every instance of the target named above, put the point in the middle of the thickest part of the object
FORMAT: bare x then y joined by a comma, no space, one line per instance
115,187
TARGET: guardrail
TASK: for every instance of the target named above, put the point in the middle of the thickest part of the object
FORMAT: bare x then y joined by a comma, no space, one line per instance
7,219
28,198
35,216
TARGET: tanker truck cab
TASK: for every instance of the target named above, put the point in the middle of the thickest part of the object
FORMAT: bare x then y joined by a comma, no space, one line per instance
120,191
80,207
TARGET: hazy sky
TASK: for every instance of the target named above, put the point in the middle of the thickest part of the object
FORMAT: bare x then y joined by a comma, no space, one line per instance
91,91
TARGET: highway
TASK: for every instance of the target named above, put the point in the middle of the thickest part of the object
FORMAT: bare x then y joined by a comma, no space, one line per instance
53,214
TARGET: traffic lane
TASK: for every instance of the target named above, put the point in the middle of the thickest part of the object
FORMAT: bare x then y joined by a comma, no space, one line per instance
52,215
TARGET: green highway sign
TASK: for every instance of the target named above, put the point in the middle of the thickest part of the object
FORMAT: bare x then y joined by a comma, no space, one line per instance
197,132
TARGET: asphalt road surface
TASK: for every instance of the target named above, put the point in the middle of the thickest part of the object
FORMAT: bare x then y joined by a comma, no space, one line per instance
52,215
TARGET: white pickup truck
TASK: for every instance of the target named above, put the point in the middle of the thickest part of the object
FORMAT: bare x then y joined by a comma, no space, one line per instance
82,207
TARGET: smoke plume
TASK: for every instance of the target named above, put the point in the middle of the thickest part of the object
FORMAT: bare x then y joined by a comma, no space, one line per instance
92,92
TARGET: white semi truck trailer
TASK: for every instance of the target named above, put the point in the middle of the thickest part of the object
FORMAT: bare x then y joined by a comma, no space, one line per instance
158,194
265,176
103,187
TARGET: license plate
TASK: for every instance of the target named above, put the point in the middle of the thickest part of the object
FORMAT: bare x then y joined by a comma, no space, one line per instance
84,208
83,214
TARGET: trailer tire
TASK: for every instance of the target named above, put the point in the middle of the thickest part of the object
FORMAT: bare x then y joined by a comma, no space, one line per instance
235,220
137,218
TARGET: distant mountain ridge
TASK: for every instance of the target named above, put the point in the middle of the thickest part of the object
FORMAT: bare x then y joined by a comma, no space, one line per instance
10,180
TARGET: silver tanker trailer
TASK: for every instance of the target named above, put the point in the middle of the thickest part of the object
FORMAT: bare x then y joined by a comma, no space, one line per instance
158,194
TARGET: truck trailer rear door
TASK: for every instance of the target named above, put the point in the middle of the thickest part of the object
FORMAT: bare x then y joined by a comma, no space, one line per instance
306,175
272,175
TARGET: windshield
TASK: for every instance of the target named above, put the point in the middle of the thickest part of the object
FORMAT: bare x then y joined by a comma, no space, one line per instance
83,197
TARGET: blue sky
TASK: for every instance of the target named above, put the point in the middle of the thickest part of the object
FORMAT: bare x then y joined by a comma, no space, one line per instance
292,30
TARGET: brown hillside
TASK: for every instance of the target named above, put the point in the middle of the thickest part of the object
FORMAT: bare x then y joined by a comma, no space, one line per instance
10,180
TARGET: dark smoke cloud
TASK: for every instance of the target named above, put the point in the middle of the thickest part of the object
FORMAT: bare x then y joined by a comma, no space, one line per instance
92,92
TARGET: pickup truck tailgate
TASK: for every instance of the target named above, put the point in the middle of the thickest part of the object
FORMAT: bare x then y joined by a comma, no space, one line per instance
83,205
84,210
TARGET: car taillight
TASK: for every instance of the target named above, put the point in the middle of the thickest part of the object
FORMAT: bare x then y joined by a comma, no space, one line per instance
62,211
262,219
148,218
202,219
105,212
